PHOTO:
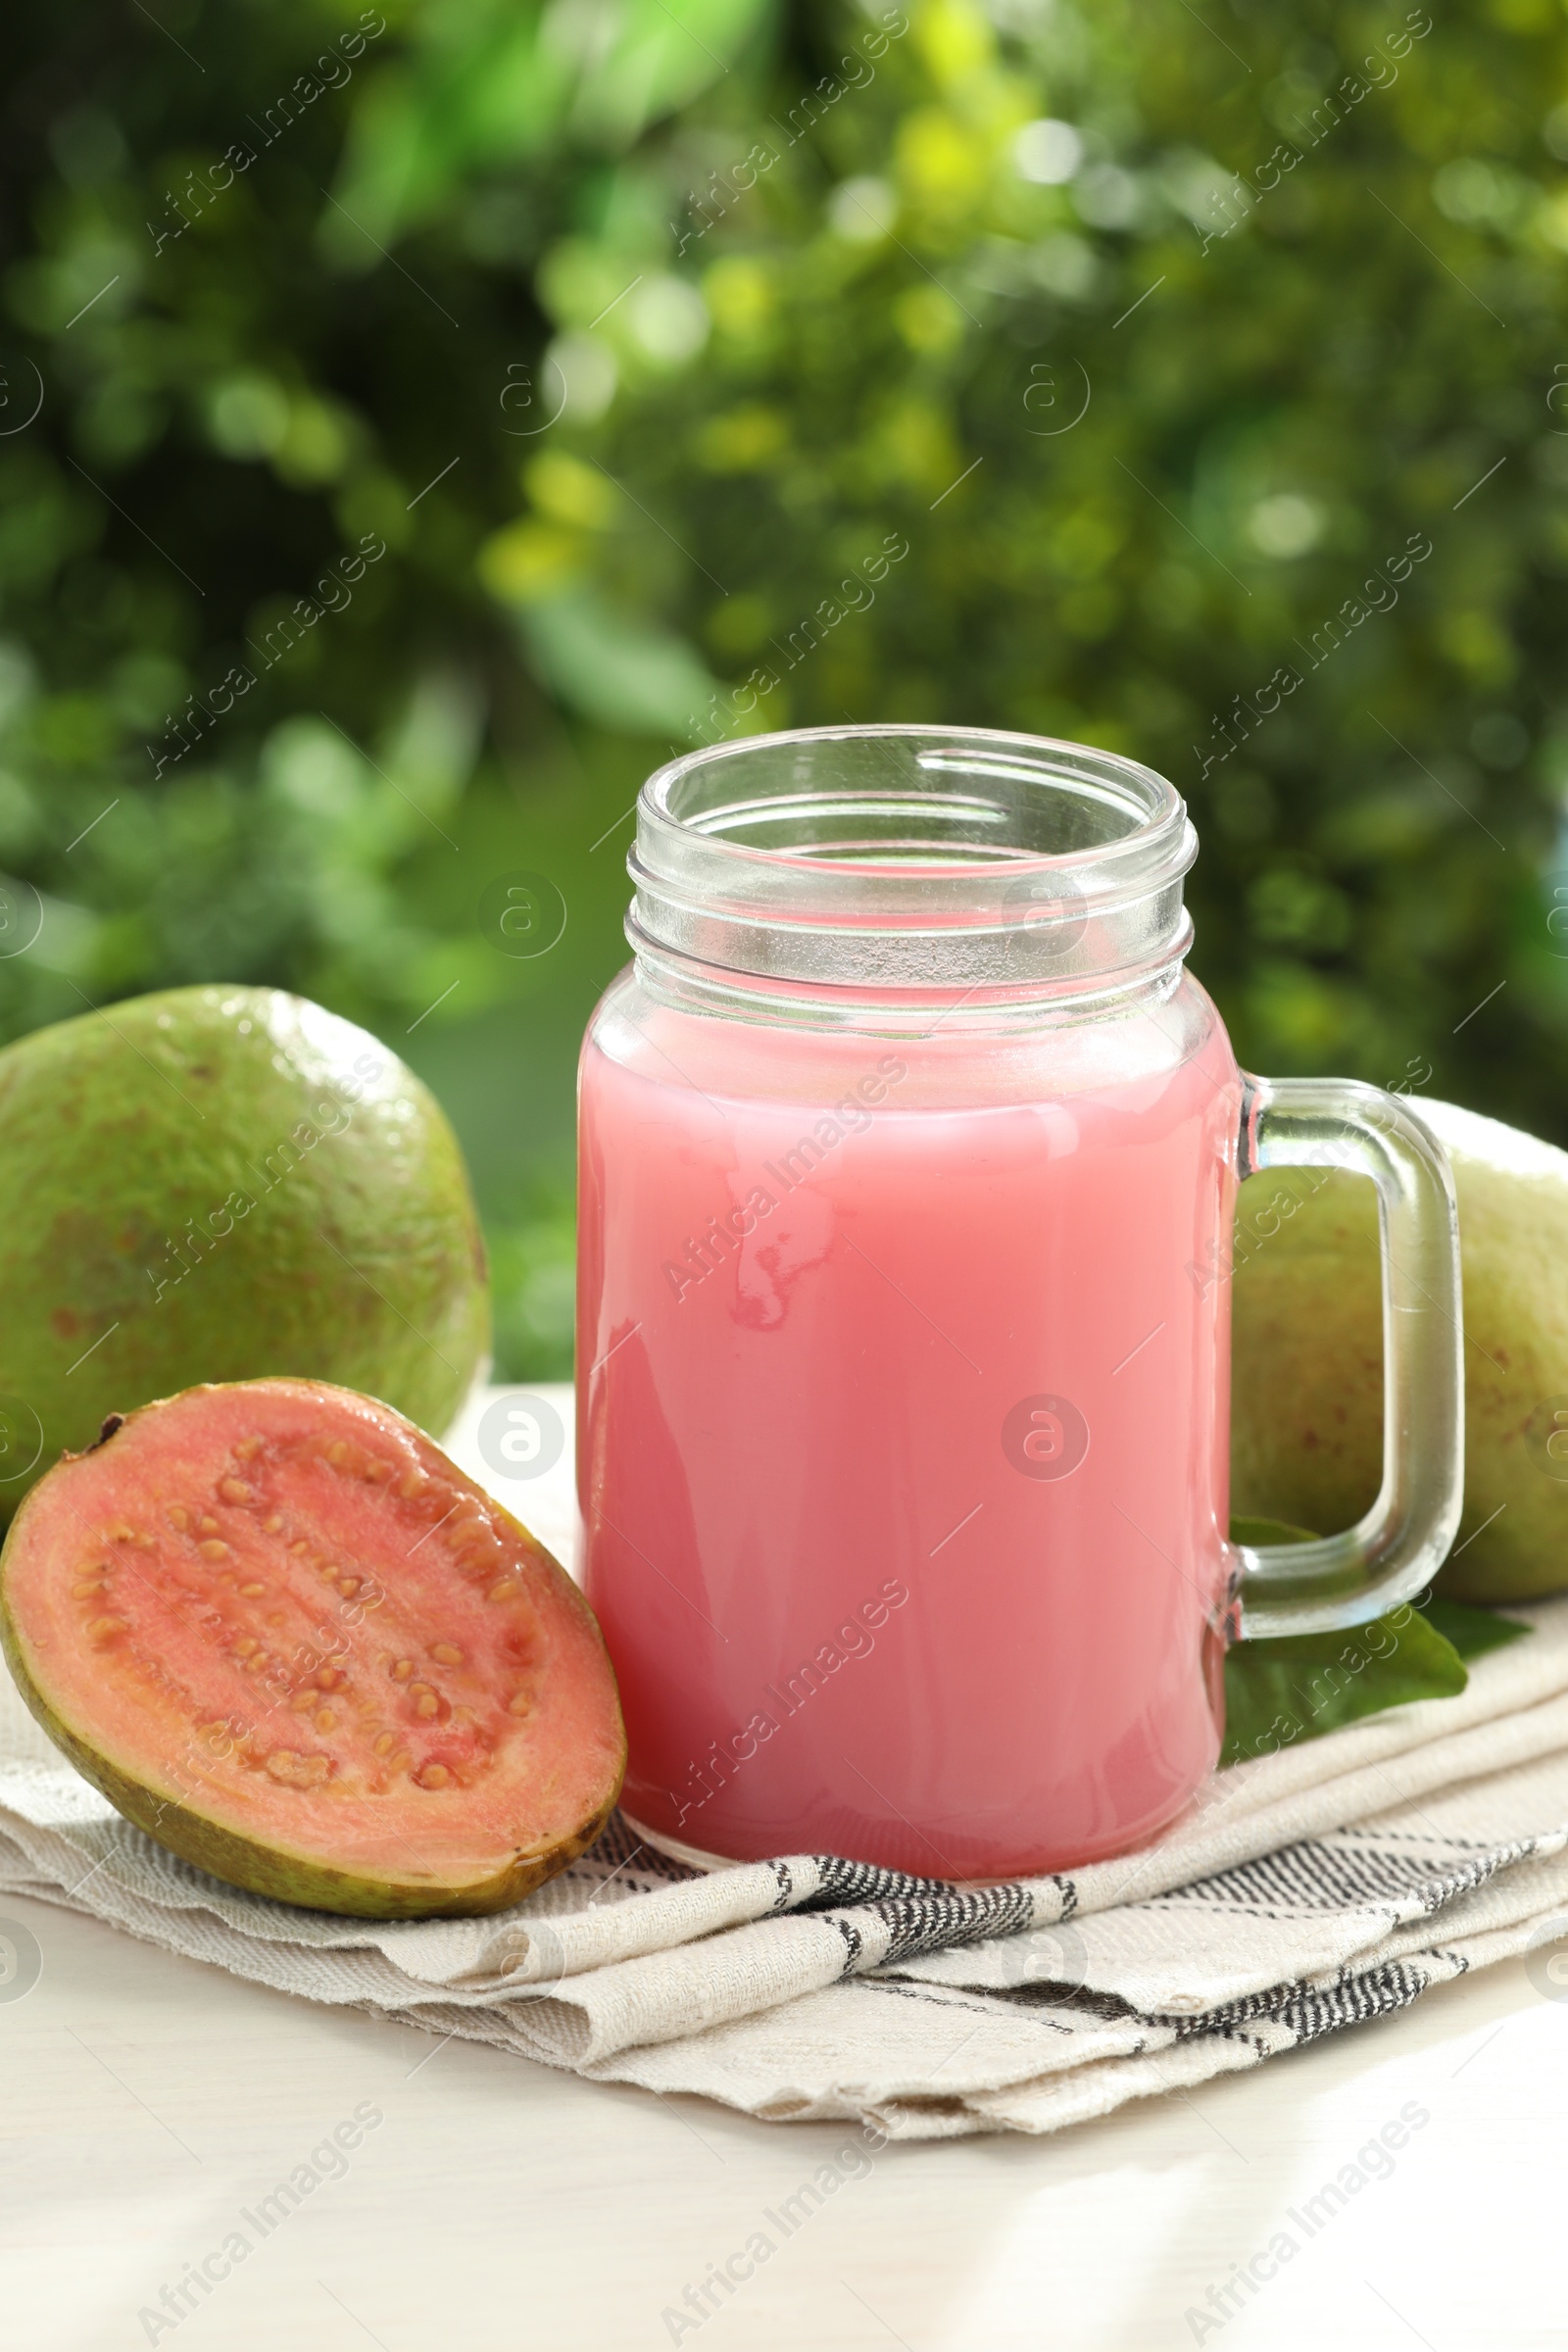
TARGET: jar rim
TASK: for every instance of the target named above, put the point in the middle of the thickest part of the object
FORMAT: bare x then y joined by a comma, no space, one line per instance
902,853
1166,812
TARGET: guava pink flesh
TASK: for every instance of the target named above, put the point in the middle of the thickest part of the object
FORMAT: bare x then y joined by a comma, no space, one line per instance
281,1607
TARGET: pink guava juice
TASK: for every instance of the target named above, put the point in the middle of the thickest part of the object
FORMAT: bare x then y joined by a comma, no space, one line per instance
904,1411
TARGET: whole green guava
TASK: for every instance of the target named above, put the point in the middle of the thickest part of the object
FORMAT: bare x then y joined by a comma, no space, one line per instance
1307,1422
215,1184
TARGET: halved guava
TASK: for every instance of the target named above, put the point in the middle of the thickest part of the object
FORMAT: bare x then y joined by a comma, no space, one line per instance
287,1637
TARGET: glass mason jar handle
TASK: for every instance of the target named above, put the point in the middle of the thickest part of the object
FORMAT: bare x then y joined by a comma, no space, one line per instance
1404,1538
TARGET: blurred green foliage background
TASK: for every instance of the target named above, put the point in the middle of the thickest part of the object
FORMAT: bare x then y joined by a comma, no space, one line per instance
629,331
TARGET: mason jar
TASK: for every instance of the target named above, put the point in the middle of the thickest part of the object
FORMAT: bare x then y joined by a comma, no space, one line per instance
908,1156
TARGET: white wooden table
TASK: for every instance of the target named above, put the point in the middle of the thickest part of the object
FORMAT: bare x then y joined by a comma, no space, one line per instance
151,2103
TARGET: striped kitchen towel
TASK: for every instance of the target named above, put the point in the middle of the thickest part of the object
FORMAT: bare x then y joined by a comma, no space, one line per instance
1303,1891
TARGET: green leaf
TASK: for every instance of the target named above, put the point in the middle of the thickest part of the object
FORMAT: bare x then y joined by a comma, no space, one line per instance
1302,1684
616,671
1472,1631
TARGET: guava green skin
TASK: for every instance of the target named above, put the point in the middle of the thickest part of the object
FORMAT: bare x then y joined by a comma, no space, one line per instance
130,1140
277,1871
1306,1427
